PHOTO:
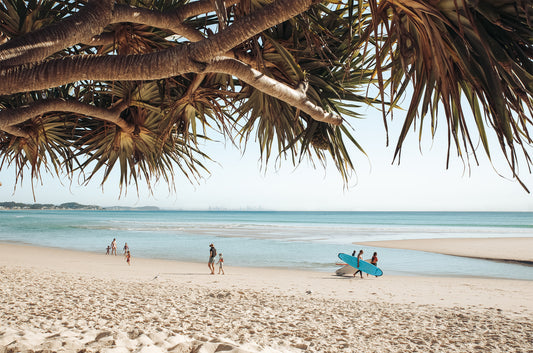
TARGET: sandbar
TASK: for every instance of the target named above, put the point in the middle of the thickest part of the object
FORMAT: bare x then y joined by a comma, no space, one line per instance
517,250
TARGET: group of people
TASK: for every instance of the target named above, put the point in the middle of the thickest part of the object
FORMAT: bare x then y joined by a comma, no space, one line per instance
212,259
112,250
373,261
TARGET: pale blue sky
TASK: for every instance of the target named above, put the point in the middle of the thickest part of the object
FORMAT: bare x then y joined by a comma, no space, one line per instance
420,182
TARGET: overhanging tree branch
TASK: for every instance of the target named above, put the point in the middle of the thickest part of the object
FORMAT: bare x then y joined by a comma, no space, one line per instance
248,26
87,25
107,38
198,7
141,67
172,21
11,117
38,45
15,131
279,90
53,73
163,64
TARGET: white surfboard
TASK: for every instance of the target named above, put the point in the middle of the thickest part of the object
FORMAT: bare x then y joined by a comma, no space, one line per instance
344,270
347,269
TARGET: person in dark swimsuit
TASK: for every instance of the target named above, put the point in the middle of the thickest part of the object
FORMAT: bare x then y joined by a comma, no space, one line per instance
374,260
359,258
212,255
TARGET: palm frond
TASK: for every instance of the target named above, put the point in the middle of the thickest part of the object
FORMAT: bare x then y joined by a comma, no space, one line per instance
448,50
309,51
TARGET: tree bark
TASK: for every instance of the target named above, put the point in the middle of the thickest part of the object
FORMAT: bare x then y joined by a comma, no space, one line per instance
77,28
172,21
15,131
248,26
10,117
295,97
90,22
167,63
53,73
107,38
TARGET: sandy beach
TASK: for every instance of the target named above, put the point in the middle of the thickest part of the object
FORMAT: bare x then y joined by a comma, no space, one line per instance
519,250
54,300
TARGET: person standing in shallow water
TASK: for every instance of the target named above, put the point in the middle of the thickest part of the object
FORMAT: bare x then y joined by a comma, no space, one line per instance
212,255
114,247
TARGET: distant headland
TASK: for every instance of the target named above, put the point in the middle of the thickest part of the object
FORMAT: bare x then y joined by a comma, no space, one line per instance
70,206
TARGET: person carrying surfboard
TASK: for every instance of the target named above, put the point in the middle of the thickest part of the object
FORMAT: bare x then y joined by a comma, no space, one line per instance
374,260
359,257
357,263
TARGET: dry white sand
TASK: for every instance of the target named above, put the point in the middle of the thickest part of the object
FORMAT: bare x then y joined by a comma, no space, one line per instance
502,249
65,301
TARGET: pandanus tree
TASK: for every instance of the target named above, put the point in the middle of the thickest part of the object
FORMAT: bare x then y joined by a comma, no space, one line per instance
89,85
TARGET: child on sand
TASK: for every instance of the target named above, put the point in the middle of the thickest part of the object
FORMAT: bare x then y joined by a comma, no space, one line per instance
108,248
220,264
128,257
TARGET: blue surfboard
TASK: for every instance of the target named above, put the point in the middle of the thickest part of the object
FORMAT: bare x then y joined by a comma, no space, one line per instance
363,265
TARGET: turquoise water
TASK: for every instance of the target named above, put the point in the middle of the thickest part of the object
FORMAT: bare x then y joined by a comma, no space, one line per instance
303,240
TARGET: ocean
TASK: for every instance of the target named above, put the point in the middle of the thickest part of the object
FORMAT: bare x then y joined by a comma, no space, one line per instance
297,240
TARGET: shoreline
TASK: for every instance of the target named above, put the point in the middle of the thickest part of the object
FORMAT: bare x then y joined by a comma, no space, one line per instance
72,301
97,265
511,250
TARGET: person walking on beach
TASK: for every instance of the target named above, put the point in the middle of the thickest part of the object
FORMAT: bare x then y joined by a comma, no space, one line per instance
114,247
107,250
126,248
359,258
212,255
128,257
374,260
220,264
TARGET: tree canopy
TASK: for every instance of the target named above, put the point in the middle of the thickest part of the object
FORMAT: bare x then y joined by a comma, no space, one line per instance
90,85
